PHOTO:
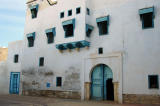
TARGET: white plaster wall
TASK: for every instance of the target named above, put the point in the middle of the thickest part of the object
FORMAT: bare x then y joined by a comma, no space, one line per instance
139,47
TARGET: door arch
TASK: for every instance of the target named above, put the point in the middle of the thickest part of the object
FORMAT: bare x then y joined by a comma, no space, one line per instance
101,83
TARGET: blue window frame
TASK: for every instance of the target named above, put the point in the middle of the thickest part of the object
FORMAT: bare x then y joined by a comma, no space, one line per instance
59,81
69,12
69,27
89,30
147,17
62,15
103,25
31,38
34,10
153,82
78,10
50,35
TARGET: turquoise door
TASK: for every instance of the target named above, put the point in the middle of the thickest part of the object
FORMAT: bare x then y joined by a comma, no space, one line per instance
14,82
100,75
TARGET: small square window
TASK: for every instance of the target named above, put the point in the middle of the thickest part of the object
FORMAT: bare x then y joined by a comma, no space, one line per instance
59,81
62,15
41,61
147,20
78,10
16,58
153,81
100,50
88,11
69,12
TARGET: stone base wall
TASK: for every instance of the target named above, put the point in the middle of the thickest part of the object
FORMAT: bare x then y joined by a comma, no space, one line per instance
51,93
143,99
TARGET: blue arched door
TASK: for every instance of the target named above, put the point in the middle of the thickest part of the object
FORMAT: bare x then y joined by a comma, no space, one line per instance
102,86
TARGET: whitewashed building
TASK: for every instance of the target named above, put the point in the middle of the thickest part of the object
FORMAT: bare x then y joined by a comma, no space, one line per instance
88,49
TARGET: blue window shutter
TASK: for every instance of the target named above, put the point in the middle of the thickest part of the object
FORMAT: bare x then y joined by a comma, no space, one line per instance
31,35
53,30
101,19
69,22
34,7
146,10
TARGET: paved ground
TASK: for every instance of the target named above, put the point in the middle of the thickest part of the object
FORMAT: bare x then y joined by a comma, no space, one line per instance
14,100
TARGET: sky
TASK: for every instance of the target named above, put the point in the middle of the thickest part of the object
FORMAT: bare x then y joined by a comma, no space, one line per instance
12,18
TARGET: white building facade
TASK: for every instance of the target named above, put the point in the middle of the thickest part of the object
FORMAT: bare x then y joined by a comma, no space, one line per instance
89,49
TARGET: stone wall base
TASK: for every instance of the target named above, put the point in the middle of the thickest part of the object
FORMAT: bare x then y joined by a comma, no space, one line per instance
52,93
143,99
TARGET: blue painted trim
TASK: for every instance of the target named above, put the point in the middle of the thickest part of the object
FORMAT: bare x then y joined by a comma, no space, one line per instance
34,6
31,35
146,10
53,30
72,21
18,83
72,45
101,19
89,27
48,85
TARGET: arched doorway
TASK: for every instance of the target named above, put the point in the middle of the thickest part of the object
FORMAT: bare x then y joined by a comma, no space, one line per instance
101,85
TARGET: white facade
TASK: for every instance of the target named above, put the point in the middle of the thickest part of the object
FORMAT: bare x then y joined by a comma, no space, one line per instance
130,51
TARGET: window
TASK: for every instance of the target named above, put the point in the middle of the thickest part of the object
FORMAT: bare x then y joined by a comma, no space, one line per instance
34,11
78,10
16,58
147,17
69,12
89,29
50,35
62,15
48,85
103,24
31,38
68,27
41,61
153,81
100,50
59,82
30,42
88,11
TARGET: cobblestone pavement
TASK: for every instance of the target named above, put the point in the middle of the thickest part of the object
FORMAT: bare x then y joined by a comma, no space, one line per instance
15,100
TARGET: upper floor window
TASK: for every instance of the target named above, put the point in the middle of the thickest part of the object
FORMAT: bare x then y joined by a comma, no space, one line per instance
16,58
147,17
31,38
100,50
78,10
88,11
62,15
50,35
69,12
34,10
59,81
68,27
103,25
89,29
153,81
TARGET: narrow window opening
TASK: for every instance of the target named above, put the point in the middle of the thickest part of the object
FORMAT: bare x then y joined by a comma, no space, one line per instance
30,41
62,15
68,30
88,33
153,81
147,20
88,11
103,27
69,12
34,12
41,61
16,58
59,82
100,50
78,10
50,37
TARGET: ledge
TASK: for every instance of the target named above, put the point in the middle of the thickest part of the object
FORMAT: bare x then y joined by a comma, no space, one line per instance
72,45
